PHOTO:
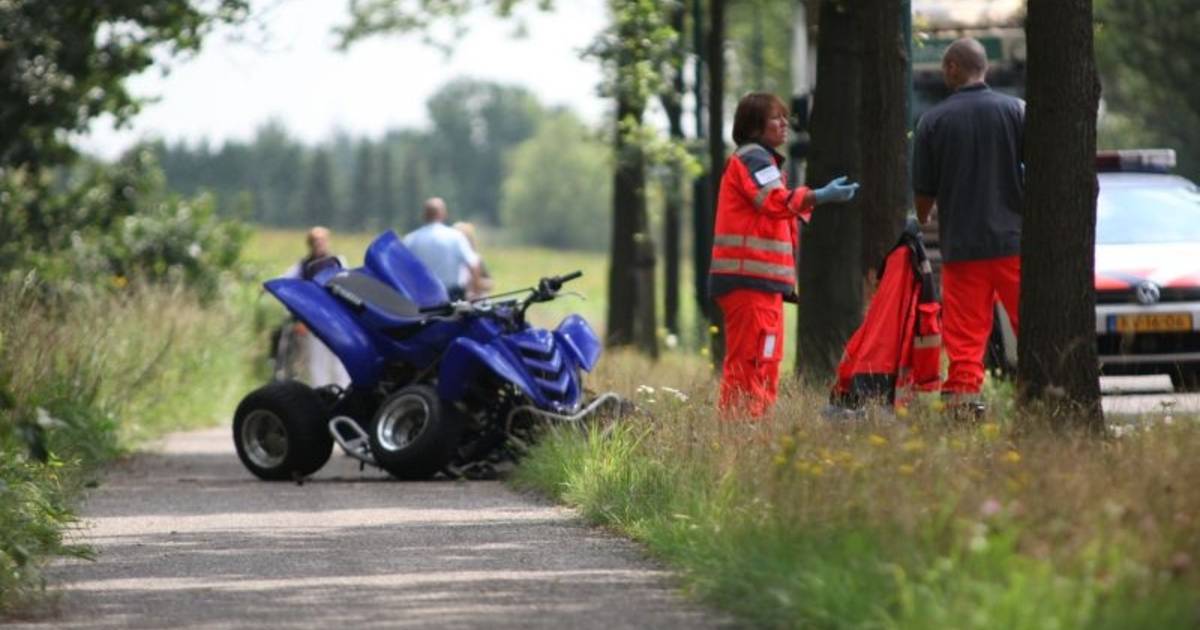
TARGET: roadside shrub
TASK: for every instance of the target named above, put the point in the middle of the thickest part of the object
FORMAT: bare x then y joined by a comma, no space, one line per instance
108,225
86,375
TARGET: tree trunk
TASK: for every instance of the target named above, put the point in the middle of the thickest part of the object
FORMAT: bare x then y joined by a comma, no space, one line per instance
672,101
830,253
631,269
412,191
883,133
387,189
716,151
702,197
1057,368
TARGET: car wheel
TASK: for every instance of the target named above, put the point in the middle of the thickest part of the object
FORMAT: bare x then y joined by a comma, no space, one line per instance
279,431
1186,378
413,435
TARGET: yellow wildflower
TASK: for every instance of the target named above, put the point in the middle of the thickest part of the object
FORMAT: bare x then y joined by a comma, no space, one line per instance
1012,457
990,430
913,445
906,469
876,439
119,282
712,330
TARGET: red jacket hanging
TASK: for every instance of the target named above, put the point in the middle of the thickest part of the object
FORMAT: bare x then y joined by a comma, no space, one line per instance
898,347
755,235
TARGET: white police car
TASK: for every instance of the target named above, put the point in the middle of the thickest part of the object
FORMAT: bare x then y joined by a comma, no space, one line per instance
1147,267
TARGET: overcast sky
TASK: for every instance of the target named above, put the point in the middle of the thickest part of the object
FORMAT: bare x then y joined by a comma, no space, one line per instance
289,70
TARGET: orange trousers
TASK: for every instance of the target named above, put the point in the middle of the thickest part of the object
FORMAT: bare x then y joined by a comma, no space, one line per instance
753,350
970,290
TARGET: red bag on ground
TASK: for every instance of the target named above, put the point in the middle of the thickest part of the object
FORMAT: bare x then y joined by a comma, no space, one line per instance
897,349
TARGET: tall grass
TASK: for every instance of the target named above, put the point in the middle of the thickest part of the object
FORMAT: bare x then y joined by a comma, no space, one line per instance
891,522
84,377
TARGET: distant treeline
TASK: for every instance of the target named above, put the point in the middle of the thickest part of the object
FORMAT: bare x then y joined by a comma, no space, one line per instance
370,184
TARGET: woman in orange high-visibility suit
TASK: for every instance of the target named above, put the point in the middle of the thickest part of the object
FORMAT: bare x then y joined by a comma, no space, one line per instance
753,255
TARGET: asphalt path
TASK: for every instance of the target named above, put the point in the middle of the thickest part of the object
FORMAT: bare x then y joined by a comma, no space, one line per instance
188,539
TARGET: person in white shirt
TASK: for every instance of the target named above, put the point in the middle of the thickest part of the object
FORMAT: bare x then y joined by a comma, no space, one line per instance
444,250
321,365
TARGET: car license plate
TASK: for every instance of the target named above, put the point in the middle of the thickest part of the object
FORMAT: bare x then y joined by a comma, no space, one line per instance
1150,322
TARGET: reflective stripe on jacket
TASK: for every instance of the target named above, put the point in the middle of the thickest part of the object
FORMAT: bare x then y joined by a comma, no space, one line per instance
756,233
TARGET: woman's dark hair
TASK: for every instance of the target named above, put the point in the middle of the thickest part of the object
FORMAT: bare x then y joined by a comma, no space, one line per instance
752,114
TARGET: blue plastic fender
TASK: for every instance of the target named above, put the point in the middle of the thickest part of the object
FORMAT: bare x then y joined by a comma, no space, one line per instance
462,363
390,261
333,324
581,340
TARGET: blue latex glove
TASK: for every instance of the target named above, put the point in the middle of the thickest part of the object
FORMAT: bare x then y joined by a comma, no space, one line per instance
836,191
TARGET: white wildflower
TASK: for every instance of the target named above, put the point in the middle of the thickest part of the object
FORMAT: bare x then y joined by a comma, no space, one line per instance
680,396
47,421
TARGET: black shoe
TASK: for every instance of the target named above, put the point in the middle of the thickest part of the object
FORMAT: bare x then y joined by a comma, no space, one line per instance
966,410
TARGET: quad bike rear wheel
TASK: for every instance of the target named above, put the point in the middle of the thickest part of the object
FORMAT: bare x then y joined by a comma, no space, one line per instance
279,431
413,435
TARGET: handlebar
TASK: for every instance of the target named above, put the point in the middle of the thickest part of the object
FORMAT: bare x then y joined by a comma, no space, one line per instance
574,275
547,287
436,308
545,290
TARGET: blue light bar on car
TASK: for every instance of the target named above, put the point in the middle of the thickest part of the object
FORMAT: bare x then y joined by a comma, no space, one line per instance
1136,161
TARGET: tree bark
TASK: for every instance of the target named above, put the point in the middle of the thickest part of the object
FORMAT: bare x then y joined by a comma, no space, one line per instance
631,295
702,197
672,101
716,152
884,134
830,253
1057,368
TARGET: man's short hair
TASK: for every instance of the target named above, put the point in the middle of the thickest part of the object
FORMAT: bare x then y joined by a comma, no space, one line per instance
967,53
434,209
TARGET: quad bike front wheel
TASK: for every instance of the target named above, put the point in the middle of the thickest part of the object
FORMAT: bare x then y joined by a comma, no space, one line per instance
279,431
413,435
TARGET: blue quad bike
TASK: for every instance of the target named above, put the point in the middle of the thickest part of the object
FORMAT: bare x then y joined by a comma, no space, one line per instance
458,388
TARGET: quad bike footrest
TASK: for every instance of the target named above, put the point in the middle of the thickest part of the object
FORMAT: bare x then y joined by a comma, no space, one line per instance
358,446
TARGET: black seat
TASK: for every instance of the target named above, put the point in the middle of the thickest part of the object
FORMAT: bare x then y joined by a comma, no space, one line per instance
359,289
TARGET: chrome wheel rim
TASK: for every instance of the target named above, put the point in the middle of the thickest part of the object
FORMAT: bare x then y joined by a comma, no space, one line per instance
401,422
264,438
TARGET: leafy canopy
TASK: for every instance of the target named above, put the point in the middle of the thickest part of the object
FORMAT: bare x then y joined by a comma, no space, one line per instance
63,63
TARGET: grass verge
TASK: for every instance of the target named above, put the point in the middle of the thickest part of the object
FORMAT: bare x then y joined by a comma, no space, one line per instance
913,522
83,379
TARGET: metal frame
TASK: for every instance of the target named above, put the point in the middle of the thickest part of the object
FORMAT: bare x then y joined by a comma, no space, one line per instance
548,415
360,447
